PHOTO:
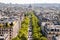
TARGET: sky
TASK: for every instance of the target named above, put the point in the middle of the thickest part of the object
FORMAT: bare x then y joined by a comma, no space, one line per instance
29,1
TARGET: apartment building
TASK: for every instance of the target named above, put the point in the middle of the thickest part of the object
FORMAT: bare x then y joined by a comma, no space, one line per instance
56,37
50,29
9,26
4,37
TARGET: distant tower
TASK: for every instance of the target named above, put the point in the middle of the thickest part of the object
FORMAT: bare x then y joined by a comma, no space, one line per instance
30,7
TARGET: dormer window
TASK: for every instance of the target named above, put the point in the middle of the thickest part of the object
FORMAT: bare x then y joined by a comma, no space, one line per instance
1,20
52,29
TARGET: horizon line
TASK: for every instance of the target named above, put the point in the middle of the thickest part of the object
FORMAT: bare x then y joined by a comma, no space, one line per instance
30,3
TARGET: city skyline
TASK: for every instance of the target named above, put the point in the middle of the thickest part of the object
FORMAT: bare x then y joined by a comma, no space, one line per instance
29,1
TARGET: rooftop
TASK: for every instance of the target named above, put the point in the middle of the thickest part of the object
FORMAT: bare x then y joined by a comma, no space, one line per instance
8,22
51,25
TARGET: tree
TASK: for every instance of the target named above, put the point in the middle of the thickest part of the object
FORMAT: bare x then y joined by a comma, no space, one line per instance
11,24
16,38
1,25
23,37
36,29
7,24
43,38
23,32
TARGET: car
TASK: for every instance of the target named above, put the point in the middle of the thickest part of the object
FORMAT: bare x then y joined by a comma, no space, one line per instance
30,30
29,36
30,33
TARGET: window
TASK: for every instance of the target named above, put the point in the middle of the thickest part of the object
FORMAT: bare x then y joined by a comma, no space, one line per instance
56,35
10,29
0,29
0,32
10,34
57,30
52,29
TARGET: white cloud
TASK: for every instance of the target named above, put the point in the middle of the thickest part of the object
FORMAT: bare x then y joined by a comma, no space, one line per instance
30,1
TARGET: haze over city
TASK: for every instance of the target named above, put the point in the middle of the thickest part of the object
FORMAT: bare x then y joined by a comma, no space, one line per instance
29,1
